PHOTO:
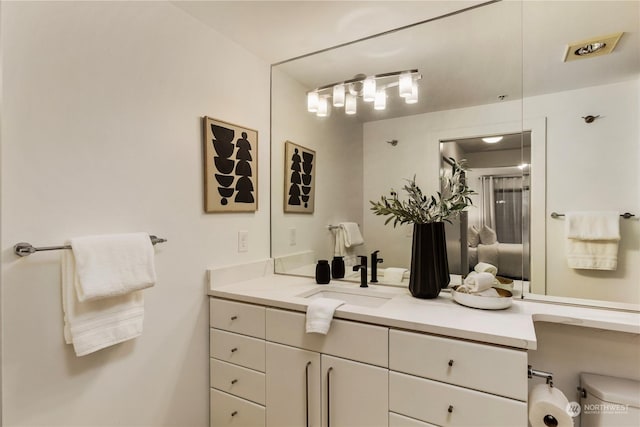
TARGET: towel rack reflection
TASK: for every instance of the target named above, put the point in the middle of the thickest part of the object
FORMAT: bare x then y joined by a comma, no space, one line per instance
24,249
335,227
625,215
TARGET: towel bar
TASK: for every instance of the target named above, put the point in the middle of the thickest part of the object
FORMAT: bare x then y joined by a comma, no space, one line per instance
24,249
625,215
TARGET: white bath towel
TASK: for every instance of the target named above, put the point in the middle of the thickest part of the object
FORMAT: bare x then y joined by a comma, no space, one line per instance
484,267
319,314
113,264
477,282
393,274
352,235
592,240
94,325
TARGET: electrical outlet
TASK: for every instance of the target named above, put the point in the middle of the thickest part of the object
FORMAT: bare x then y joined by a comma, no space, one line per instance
243,241
292,237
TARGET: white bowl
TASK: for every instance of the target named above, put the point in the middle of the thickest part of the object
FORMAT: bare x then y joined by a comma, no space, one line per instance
484,302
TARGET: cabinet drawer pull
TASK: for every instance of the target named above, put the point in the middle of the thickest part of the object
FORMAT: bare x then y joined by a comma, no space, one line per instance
234,381
234,317
450,362
234,349
234,413
450,409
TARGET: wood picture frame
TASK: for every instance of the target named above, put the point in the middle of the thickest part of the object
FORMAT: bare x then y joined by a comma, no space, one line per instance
230,156
299,178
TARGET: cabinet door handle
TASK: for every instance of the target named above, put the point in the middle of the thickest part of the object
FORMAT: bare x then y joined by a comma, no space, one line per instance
234,381
234,317
329,396
450,362
450,409
234,413
306,387
234,349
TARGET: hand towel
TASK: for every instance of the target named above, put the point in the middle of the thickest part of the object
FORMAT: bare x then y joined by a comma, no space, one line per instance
592,240
393,274
319,314
351,233
94,325
477,282
340,249
604,225
484,267
112,265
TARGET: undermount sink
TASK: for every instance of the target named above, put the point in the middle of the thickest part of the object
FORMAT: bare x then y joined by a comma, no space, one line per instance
361,297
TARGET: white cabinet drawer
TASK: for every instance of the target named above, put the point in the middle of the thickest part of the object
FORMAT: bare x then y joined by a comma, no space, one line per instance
236,380
227,410
351,340
448,405
237,317
237,349
496,370
397,420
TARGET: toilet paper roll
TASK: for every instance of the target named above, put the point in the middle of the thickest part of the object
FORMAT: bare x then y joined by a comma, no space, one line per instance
548,407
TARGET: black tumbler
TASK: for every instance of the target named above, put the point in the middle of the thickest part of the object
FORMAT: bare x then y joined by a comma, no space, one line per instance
323,272
337,267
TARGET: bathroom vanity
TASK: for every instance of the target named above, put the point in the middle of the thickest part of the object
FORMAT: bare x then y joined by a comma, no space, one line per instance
388,358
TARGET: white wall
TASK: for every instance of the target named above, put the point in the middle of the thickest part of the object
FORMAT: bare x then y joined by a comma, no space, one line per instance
102,133
337,141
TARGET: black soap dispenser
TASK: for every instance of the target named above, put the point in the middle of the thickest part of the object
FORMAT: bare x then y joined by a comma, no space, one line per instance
323,272
337,267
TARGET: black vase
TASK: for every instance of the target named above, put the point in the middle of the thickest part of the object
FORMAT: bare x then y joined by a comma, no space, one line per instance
337,267
323,272
429,265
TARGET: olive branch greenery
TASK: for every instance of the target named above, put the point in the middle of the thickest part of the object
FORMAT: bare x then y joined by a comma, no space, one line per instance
422,209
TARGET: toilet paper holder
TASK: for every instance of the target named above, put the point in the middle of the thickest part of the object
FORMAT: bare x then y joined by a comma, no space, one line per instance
542,374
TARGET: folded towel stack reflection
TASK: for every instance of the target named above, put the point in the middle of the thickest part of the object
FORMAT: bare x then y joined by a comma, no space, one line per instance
393,274
478,284
348,235
320,313
592,240
102,281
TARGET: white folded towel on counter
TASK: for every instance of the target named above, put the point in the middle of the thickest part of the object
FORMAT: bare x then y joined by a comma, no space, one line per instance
393,274
592,240
476,282
112,265
319,314
93,325
484,267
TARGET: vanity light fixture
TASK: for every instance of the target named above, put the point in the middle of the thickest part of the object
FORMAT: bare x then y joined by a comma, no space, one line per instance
370,88
492,139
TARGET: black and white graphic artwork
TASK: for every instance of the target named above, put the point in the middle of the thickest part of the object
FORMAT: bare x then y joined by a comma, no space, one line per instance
230,153
299,179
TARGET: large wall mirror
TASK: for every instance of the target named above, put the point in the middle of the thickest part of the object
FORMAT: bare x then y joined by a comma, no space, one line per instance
478,79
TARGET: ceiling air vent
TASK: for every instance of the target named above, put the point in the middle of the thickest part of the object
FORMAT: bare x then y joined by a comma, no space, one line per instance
597,46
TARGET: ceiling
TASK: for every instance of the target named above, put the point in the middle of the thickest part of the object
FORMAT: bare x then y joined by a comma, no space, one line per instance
507,48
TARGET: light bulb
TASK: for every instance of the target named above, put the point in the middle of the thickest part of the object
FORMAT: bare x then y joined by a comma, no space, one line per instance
369,89
338,95
413,98
323,107
380,100
492,139
312,102
405,84
350,104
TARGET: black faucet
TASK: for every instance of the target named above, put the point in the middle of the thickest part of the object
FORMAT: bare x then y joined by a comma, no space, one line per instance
363,271
374,266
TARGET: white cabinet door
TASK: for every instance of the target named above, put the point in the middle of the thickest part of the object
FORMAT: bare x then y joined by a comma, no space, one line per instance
292,387
354,394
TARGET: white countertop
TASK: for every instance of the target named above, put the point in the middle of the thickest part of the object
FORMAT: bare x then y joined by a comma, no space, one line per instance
513,327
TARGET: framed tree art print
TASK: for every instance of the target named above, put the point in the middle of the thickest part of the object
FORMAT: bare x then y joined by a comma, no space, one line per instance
299,178
230,167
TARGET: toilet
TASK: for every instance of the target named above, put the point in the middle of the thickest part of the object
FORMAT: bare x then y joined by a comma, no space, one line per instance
609,401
